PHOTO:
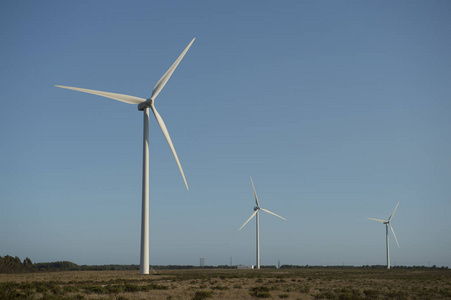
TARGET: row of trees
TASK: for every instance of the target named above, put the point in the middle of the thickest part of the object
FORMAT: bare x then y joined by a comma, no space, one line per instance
359,267
9,264
70,266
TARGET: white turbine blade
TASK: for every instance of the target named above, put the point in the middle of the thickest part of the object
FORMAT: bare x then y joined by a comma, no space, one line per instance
160,84
379,220
255,193
168,139
394,234
270,212
118,97
255,212
393,212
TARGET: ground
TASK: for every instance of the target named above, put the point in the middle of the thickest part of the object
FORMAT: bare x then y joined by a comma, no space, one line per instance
231,284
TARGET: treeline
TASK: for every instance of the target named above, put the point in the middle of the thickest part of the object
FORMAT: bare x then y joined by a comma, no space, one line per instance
70,266
9,264
360,267
184,267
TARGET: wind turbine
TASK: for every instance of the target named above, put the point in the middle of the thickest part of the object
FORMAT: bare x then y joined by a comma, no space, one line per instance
256,210
143,105
387,224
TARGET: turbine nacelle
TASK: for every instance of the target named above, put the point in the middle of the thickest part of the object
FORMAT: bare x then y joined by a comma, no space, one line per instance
147,103
256,208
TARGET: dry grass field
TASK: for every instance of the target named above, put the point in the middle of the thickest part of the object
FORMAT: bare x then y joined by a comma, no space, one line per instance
230,284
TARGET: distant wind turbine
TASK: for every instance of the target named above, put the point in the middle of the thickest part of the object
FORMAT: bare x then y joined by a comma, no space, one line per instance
387,224
256,210
143,105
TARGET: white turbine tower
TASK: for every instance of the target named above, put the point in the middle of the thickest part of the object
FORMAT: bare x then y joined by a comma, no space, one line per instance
256,210
143,105
387,224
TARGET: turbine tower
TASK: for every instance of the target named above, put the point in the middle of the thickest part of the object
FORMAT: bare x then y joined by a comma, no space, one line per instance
143,105
257,208
387,224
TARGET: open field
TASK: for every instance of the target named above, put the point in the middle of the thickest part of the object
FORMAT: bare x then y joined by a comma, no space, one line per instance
230,284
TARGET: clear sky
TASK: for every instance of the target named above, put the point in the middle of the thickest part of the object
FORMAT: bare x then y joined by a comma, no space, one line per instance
337,109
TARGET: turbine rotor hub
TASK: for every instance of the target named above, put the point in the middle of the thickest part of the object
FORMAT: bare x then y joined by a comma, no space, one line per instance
147,103
256,208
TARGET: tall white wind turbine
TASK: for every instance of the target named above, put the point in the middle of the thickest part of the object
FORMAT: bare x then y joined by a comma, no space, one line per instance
387,224
143,105
257,208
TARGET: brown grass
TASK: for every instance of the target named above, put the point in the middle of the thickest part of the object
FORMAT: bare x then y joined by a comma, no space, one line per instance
230,284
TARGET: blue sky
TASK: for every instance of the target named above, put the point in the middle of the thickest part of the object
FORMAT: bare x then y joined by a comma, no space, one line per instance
337,109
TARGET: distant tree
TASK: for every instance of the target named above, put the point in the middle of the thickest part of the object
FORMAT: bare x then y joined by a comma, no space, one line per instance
9,264
27,263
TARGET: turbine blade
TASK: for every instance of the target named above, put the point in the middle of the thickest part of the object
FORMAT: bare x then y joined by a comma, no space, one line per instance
394,234
168,139
270,212
118,97
160,84
393,212
255,193
255,212
379,220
